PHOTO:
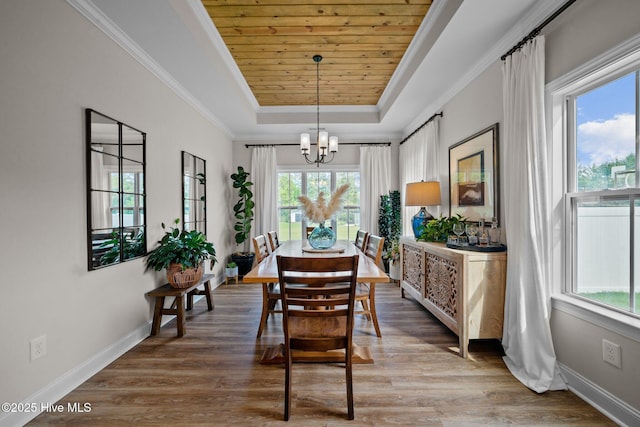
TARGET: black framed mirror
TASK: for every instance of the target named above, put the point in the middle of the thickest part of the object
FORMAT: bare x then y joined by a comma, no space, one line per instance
194,190
116,200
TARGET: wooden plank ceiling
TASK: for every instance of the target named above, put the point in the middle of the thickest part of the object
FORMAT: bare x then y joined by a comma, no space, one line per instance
273,43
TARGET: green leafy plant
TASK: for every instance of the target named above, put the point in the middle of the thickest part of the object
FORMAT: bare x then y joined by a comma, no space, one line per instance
390,221
439,229
394,253
188,248
243,209
231,264
133,245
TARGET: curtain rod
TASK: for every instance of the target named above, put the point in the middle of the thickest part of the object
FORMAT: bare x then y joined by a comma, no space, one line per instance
421,126
297,145
537,30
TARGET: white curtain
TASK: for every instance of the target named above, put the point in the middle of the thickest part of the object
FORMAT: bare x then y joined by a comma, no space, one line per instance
419,161
375,174
530,355
99,180
264,175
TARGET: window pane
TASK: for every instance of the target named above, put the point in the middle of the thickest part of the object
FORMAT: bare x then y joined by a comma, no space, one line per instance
289,188
605,136
100,179
127,217
100,216
114,179
602,249
318,182
188,162
134,243
290,215
105,248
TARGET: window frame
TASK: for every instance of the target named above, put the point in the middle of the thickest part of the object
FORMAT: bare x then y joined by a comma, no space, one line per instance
561,94
303,182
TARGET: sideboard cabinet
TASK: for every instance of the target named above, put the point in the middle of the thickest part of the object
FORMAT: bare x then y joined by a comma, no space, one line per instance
463,289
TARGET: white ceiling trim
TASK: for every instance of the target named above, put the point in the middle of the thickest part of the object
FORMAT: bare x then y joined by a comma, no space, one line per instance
428,33
102,22
216,39
538,13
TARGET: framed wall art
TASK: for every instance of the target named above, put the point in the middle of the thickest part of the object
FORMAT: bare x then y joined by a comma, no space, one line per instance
473,176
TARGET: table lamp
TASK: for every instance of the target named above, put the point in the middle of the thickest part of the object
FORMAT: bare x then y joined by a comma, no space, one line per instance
422,194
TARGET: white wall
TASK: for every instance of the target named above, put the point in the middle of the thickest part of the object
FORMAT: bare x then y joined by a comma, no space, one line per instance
476,107
55,63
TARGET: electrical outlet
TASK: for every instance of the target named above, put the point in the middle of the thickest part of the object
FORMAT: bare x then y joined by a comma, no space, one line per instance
38,347
611,353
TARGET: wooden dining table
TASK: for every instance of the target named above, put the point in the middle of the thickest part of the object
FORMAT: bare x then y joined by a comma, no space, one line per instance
267,272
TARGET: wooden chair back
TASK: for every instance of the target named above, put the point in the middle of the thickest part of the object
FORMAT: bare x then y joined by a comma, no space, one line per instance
273,240
374,247
361,239
260,248
318,298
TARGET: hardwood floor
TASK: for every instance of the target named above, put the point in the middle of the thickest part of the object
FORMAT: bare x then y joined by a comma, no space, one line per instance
211,376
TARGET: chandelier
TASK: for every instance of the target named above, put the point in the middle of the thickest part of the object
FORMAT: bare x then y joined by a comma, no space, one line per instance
325,144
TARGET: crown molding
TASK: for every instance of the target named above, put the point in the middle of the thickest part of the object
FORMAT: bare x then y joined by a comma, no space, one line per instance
90,11
538,13
204,19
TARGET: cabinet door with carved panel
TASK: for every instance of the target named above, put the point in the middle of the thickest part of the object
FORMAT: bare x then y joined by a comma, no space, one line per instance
443,274
412,262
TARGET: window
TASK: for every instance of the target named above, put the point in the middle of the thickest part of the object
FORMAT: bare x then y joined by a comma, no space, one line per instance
116,191
296,183
602,195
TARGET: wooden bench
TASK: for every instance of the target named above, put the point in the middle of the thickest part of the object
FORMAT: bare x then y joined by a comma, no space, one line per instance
177,308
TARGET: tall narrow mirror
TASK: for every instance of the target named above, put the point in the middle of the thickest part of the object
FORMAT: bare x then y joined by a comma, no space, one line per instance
116,191
194,190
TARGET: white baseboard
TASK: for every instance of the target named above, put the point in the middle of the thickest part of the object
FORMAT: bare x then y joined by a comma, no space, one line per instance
70,380
614,408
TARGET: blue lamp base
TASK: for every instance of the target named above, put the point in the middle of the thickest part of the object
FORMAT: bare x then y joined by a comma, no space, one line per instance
419,221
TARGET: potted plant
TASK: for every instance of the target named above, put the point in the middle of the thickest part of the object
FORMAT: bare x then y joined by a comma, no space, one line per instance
231,270
394,260
243,212
439,229
182,253
389,223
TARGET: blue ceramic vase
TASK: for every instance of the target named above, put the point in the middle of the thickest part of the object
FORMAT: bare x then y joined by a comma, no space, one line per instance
322,237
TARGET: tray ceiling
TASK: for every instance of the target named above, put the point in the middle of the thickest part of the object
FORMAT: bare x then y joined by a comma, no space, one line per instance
273,43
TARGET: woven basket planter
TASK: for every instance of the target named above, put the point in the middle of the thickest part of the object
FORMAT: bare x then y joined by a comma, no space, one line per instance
179,278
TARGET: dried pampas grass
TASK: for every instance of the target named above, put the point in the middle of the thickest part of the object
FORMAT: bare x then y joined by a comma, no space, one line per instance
319,211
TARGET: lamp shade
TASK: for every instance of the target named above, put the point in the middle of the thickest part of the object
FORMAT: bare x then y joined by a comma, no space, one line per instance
422,193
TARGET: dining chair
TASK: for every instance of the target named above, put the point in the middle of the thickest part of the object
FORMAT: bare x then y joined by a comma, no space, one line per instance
270,291
273,240
366,292
309,230
361,239
319,315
